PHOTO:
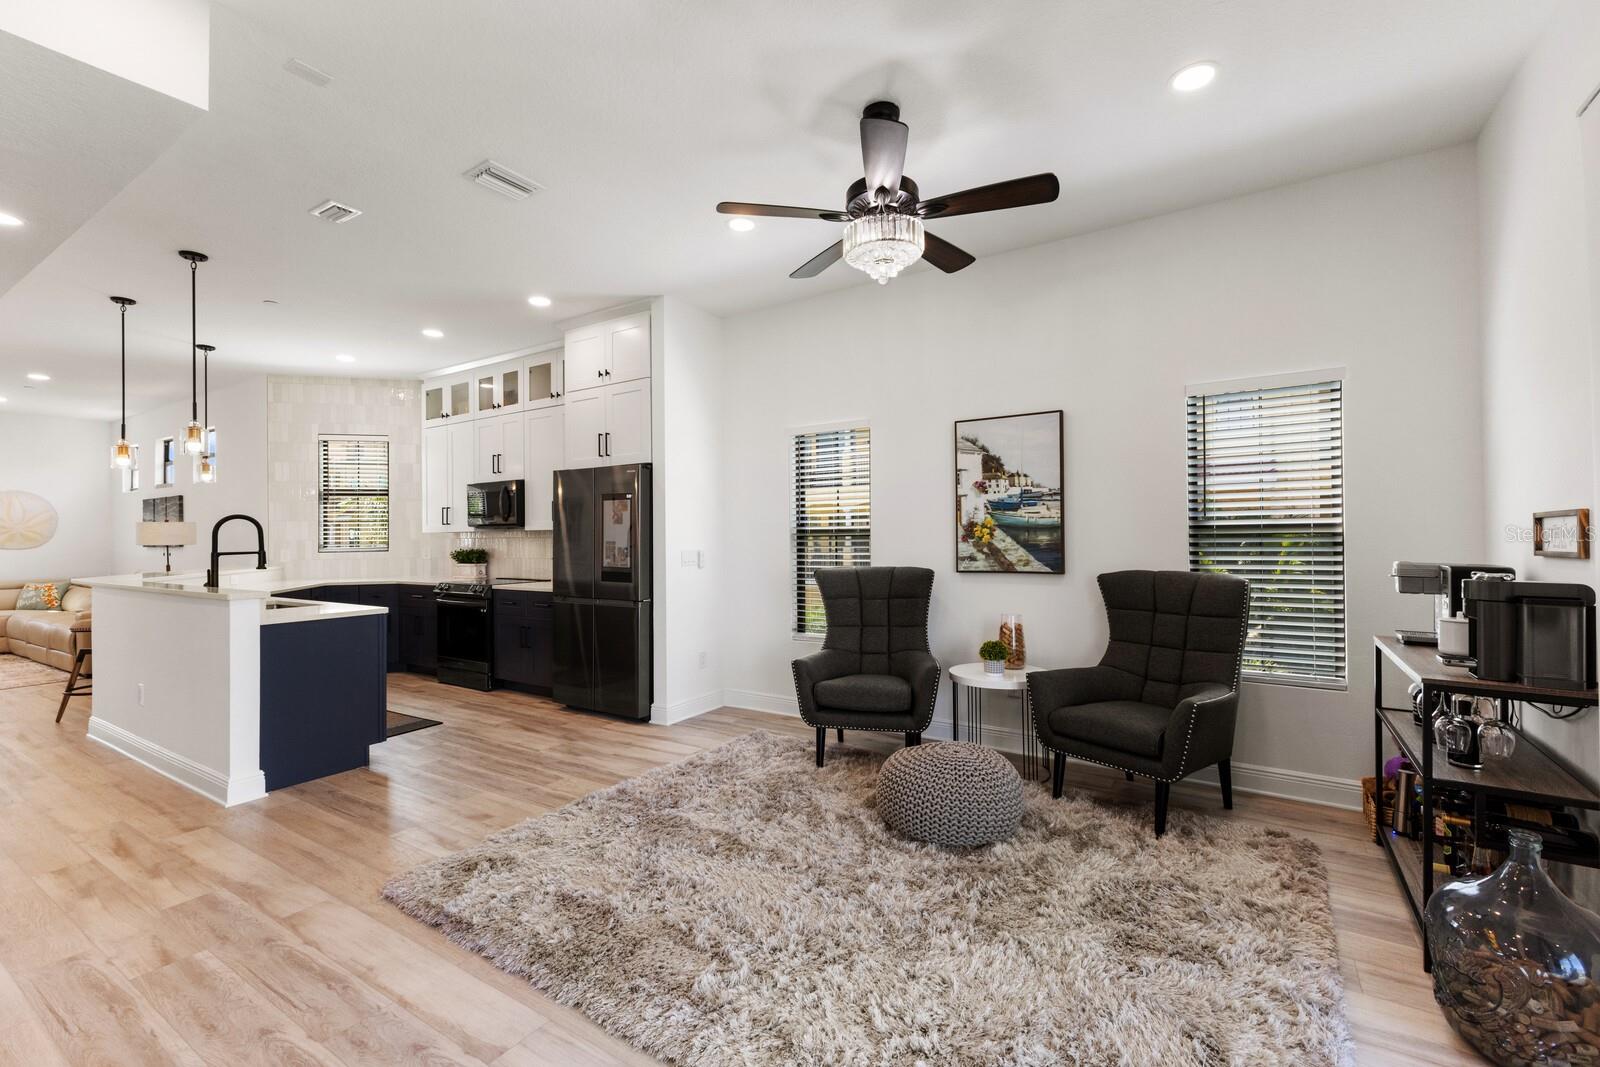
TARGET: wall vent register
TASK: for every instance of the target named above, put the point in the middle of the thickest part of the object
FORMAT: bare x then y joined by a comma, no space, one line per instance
501,179
333,211
1266,502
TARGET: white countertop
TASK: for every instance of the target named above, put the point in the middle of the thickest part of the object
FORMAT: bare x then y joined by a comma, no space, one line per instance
276,610
261,585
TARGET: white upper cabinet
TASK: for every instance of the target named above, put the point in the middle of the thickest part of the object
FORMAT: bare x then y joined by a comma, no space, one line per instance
542,380
609,426
447,466
585,429
497,388
446,398
628,345
546,453
498,448
608,352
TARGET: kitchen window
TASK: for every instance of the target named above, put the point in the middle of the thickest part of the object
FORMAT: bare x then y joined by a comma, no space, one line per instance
167,465
832,519
352,494
1266,502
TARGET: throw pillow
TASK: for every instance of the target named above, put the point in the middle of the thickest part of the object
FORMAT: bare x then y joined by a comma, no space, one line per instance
41,596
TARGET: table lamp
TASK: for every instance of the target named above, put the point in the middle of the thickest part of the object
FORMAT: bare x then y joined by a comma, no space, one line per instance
166,535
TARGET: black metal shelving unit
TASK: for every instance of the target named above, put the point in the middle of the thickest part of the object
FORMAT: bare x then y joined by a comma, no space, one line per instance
1529,774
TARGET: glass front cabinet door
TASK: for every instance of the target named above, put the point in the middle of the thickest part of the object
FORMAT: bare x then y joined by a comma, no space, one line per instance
498,388
445,398
544,379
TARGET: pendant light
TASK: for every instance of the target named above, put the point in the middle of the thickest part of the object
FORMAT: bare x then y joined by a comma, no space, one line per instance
208,460
193,435
122,451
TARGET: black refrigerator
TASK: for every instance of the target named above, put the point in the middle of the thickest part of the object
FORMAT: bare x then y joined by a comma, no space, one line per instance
603,659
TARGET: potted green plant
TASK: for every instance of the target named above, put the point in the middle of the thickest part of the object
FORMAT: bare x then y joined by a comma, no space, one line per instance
471,563
993,654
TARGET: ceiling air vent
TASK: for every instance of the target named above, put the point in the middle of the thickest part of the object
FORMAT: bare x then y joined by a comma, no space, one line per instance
333,211
503,180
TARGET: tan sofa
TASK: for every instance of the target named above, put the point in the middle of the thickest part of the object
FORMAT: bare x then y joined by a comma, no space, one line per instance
50,637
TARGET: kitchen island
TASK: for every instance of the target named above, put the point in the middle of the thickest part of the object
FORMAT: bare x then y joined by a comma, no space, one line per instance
233,691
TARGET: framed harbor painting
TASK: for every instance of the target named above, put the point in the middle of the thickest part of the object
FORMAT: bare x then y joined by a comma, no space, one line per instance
1009,481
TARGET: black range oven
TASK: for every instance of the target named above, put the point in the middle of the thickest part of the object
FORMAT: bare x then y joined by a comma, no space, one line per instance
466,634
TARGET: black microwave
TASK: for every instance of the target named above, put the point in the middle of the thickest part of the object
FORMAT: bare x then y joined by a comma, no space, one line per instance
496,504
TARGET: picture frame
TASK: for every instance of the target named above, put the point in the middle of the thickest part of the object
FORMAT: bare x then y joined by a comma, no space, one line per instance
1561,534
1010,487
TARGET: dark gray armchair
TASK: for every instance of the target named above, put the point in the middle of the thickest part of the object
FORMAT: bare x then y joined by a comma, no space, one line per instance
875,671
1162,702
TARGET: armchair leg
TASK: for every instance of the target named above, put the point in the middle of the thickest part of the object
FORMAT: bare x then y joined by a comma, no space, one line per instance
1128,775
841,737
1225,779
822,742
913,738
1058,773
1163,790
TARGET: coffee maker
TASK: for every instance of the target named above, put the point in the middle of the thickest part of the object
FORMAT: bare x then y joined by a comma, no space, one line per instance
1443,581
1533,633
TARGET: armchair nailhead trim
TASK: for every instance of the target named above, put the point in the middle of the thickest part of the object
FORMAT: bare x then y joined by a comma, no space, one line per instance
1183,762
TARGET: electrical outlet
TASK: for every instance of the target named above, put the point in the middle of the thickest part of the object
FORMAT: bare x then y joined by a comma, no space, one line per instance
141,694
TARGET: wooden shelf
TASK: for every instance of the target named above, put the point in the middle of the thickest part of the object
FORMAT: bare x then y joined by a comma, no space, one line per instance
1528,774
1421,664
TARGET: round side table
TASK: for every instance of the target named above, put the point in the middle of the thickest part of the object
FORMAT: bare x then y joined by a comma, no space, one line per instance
976,681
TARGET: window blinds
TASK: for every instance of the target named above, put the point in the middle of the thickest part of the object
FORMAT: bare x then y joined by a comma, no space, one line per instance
832,522
352,494
1266,502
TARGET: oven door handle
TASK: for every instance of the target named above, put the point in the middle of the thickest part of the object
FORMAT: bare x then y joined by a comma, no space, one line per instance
447,602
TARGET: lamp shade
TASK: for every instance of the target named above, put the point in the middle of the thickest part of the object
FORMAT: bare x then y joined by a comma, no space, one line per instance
166,534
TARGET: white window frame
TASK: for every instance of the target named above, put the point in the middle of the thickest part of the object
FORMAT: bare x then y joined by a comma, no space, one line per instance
791,599
1340,376
388,521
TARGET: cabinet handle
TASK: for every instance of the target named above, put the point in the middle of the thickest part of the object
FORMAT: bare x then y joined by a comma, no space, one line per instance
608,442
599,445
608,374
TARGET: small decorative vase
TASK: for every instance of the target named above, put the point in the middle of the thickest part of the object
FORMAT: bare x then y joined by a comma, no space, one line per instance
1016,644
1514,963
994,666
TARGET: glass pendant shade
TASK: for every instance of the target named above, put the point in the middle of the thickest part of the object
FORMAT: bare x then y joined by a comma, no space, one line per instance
883,245
208,471
194,438
121,454
122,451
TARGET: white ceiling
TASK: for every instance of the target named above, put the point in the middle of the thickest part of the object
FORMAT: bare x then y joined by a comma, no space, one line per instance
639,115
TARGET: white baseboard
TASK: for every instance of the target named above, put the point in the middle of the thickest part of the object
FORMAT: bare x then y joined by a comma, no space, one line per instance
667,714
181,769
1321,789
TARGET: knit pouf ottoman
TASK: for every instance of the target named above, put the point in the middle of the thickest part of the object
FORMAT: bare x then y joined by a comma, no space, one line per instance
957,794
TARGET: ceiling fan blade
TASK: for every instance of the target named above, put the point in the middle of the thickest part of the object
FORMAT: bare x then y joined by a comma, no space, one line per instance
820,262
734,207
944,255
1018,192
883,149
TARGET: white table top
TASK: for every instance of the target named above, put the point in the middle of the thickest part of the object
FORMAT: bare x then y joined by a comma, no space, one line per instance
973,675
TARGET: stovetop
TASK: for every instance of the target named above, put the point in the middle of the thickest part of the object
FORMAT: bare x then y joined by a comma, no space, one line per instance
475,589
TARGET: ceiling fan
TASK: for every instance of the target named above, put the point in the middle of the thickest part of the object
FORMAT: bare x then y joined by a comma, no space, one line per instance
883,214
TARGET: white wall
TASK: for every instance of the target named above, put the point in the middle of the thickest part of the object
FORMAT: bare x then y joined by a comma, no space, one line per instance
239,413
1373,270
68,463
163,45
690,503
1540,412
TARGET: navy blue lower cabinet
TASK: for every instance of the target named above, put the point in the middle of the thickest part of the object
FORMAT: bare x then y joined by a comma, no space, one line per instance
324,696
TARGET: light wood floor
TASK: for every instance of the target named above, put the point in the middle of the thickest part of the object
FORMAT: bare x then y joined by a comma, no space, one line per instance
141,924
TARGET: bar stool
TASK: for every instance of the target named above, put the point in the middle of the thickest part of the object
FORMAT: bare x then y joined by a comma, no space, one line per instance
73,689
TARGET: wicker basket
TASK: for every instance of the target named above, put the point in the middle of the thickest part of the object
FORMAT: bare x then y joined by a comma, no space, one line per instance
1369,801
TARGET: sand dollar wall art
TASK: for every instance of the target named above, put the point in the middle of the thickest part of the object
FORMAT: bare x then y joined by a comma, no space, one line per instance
26,519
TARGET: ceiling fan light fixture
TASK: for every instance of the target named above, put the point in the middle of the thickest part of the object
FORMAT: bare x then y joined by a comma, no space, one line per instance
883,244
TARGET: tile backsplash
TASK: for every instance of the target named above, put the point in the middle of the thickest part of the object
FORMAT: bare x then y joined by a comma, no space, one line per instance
299,409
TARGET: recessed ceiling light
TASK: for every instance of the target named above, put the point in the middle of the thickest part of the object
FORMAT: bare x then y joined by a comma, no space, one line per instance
9,220
740,224
539,301
344,357
37,377
1194,76
433,333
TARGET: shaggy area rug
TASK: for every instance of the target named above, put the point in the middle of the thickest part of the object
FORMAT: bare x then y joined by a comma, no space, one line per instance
19,671
743,907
